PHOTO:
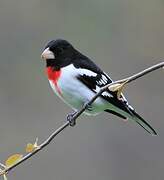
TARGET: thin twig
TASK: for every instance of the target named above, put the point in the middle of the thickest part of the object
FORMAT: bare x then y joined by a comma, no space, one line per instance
144,72
66,124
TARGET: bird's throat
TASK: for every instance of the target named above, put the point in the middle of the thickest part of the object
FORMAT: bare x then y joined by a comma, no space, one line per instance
54,75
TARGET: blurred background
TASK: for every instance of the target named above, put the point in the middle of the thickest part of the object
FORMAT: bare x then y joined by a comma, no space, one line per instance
123,37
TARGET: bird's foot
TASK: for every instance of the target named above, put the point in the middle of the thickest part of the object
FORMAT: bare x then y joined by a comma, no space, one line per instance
70,118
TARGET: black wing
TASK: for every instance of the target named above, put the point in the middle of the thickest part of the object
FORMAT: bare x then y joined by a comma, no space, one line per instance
98,79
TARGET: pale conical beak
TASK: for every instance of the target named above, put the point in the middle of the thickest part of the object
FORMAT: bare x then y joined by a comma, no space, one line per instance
47,54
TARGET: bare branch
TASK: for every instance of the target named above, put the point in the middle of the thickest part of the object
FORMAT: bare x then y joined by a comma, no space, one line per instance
144,72
78,113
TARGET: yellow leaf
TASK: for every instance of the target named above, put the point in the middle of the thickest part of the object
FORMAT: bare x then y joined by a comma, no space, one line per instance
115,87
30,147
118,87
13,159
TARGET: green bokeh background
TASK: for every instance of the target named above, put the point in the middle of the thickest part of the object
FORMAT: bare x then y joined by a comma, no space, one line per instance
123,37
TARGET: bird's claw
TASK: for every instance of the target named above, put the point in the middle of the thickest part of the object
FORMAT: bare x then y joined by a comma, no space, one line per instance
70,119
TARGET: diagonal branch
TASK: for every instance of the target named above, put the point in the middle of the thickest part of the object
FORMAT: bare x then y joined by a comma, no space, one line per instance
121,82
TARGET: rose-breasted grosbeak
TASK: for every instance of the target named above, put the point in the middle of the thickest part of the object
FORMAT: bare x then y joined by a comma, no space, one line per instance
76,79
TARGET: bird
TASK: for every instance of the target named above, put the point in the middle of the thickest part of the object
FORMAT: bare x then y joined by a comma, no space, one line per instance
75,79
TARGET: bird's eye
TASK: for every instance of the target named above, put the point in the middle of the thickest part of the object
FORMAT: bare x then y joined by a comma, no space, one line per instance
61,49
64,48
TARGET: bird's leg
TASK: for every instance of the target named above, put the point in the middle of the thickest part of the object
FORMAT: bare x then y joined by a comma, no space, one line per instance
70,118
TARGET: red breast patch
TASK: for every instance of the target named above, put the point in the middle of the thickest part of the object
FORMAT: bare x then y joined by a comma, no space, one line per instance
54,77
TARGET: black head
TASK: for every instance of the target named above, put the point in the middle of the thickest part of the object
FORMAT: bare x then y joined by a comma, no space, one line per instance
58,52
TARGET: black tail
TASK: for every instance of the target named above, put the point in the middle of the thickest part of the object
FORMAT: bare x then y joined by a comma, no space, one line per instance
137,118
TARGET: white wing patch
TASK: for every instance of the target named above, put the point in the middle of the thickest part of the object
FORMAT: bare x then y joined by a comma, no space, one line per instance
71,70
107,94
103,81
